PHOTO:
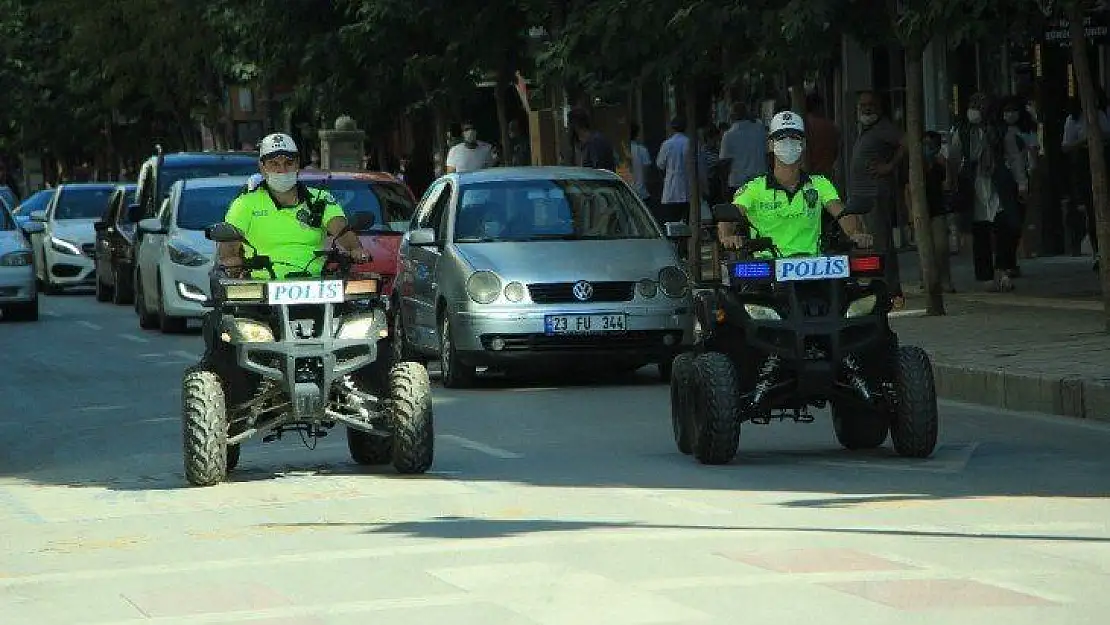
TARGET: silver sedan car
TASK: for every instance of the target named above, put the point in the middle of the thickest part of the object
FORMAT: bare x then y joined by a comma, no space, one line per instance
19,298
539,266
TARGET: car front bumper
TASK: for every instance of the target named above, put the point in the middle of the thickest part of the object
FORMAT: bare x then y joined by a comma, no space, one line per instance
69,269
17,284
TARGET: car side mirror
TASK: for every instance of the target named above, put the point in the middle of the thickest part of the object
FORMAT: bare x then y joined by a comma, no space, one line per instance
100,226
726,212
224,232
677,230
151,226
422,237
134,213
38,216
33,227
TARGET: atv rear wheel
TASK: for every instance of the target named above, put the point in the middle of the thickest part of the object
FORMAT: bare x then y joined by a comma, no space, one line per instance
716,412
916,422
410,394
682,378
204,425
865,430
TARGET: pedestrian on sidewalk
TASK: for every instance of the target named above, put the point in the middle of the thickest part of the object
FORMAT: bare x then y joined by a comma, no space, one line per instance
594,148
875,156
743,149
640,161
935,172
1020,145
675,203
986,190
1082,213
471,154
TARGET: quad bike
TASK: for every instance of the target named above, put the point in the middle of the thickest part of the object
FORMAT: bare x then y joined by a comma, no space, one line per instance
782,335
301,355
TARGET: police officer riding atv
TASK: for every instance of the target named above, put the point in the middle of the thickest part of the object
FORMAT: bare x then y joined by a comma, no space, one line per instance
798,321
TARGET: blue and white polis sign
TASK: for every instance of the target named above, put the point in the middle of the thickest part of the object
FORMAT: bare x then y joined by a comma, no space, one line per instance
813,268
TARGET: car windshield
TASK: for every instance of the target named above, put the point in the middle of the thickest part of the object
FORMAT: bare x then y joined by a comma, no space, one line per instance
201,207
36,202
230,167
82,202
8,197
550,210
388,202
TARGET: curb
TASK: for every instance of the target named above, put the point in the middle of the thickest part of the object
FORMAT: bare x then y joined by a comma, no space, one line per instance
1067,396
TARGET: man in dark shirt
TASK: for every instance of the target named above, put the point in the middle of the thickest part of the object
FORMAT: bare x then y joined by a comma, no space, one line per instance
595,149
935,171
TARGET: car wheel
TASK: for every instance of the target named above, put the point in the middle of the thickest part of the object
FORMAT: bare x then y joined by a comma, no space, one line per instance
453,372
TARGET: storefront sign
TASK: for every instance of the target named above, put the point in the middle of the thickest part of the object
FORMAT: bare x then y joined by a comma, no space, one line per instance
1095,24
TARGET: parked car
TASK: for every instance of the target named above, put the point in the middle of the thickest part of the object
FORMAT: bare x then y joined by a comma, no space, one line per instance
115,235
19,298
171,269
38,201
65,249
381,195
158,174
511,267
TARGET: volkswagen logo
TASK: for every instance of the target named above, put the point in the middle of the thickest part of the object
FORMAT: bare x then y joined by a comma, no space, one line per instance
582,290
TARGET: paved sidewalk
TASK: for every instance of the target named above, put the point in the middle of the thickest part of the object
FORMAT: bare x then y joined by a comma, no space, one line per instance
1041,348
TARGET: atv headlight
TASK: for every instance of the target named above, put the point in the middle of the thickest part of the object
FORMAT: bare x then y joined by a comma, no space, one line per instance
251,331
483,287
361,327
861,307
762,313
245,292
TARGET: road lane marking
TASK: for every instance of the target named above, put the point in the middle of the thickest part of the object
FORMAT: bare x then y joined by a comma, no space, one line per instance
90,325
133,338
916,312
480,447
50,314
99,408
186,355
159,420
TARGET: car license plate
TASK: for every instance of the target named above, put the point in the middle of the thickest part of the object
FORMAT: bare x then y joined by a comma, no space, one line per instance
314,292
584,324
814,268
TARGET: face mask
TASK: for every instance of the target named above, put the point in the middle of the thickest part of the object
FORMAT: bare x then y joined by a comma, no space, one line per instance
281,182
470,136
974,116
1011,117
868,119
788,150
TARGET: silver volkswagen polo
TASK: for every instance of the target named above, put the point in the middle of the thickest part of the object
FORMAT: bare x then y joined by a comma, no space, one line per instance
539,266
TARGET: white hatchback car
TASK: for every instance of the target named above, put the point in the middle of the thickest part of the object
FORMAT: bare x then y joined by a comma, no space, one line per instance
65,250
19,298
175,258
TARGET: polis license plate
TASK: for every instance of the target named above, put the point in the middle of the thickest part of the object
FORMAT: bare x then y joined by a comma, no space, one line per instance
314,292
814,268
584,324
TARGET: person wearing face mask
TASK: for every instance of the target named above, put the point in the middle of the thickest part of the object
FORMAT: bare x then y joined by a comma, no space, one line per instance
284,219
787,204
470,155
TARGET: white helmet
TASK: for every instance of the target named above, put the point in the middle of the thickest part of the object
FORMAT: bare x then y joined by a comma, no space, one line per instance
786,123
277,144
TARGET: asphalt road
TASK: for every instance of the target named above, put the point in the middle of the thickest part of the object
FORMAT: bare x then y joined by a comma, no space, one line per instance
545,506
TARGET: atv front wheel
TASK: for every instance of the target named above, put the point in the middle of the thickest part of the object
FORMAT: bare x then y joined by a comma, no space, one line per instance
916,422
368,449
682,401
204,425
410,393
716,409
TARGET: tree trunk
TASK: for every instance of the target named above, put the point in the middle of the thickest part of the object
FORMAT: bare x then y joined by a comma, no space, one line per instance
504,83
692,176
919,208
1100,193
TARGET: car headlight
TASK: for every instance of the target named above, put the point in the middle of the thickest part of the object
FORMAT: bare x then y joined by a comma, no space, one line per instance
64,247
861,307
362,327
673,281
648,288
514,292
483,286
762,313
251,331
185,255
15,259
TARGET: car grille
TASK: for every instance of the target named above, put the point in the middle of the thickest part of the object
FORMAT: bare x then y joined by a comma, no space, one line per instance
815,307
89,249
562,292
